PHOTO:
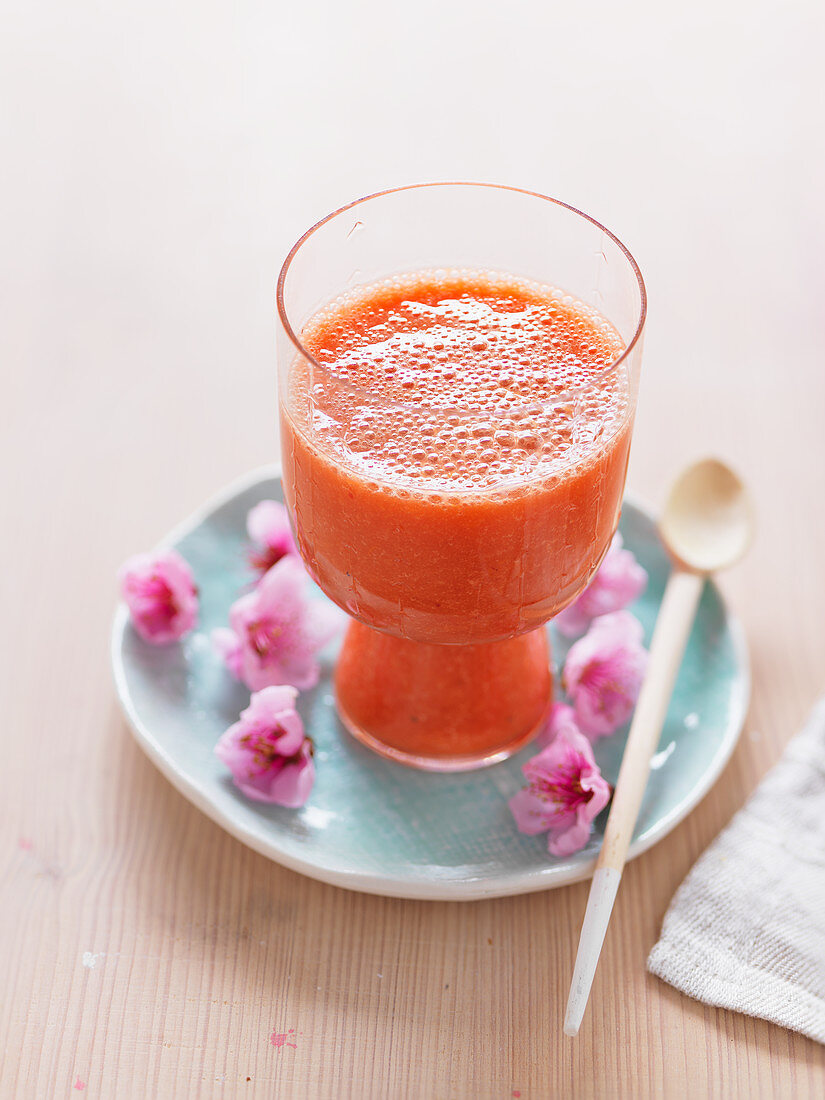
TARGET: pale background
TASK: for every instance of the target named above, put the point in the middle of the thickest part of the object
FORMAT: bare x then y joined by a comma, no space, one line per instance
158,159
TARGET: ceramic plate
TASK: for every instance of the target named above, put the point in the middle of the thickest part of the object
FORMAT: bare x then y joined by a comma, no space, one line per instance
384,828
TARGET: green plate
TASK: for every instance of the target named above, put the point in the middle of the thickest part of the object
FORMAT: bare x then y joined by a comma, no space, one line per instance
384,828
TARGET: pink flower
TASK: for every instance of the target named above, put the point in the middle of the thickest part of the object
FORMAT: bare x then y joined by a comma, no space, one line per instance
277,631
561,718
227,645
566,792
268,527
619,580
604,671
160,593
267,751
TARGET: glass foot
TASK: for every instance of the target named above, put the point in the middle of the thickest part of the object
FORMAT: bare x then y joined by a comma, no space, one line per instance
443,707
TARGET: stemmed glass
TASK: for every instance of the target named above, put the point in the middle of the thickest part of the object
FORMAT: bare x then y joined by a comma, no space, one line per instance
445,664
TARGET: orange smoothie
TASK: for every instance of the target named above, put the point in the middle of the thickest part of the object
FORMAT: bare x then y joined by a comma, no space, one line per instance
454,457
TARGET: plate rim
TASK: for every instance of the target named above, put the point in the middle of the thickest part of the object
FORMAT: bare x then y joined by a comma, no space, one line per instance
465,889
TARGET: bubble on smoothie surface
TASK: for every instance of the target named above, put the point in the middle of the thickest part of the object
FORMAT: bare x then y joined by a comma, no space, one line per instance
459,380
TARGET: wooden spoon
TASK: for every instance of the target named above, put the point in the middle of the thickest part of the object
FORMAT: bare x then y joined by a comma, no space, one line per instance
707,525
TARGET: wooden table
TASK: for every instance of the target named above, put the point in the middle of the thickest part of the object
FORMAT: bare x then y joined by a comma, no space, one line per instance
159,167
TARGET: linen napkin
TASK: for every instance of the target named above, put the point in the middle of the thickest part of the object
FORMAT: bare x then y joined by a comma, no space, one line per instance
746,929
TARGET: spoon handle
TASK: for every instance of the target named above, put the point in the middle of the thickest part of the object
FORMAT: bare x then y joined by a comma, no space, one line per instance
670,636
667,648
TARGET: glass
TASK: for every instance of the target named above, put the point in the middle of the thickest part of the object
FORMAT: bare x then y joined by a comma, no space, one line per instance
445,664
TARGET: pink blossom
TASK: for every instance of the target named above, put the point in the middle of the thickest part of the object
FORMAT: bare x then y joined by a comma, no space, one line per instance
277,630
227,645
619,580
603,673
268,527
267,751
561,718
565,792
160,593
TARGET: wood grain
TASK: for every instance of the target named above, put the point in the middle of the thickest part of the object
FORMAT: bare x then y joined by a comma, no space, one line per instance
158,169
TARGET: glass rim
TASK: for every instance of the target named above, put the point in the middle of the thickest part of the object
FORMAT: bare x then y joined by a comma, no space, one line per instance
557,398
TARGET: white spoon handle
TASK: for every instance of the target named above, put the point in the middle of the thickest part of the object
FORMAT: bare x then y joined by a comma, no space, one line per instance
666,650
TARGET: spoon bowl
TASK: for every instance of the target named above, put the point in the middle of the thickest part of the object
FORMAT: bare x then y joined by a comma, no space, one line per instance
708,520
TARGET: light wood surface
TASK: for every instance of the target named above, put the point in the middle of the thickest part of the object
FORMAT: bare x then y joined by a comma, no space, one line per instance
159,160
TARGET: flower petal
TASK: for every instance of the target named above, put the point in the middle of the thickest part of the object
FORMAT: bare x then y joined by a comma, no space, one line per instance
292,786
267,752
619,580
269,529
566,790
280,630
267,522
530,812
274,708
227,645
563,842
160,592
604,671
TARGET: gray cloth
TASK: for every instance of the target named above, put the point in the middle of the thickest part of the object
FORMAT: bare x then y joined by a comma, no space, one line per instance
746,929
